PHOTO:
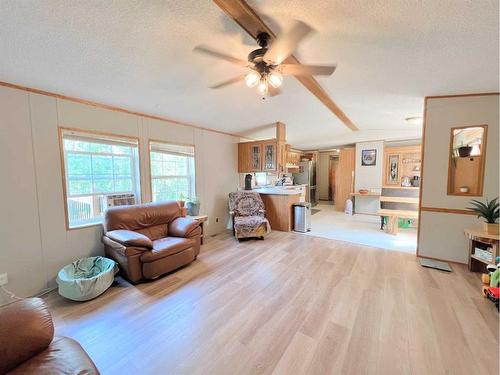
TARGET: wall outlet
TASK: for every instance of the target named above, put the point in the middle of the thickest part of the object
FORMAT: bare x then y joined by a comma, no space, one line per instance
3,279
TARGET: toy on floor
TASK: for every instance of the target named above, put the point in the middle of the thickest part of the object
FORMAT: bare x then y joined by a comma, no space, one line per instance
491,282
493,295
485,278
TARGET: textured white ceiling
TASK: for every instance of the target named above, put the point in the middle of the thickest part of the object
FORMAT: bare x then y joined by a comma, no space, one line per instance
138,55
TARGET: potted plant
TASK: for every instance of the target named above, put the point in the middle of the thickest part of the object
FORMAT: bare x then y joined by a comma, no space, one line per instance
464,151
488,211
193,206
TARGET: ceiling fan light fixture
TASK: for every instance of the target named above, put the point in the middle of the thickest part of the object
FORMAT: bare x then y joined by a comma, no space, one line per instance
252,78
262,88
275,79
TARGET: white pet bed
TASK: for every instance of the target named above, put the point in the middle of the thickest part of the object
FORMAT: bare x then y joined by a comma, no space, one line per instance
86,278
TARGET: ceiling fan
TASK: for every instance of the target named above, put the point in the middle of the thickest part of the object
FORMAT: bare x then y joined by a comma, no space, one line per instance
266,63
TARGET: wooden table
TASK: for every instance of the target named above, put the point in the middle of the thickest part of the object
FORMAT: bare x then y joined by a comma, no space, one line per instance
481,239
201,219
394,216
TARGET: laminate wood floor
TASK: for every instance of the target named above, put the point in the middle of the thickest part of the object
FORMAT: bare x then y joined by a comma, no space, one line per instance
291,304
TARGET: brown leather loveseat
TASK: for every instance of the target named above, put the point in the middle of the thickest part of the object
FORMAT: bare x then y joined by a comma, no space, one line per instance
149,240
28,345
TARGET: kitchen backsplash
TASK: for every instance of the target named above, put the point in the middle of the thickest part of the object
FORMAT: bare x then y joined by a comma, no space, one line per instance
262,178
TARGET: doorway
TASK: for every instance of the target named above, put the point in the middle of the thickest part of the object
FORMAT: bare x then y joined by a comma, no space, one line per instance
342,215
326,170
333,163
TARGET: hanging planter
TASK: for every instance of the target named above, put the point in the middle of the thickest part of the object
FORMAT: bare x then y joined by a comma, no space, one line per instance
464,151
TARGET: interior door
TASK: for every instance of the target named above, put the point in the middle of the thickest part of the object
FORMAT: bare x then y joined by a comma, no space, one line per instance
344,177
332,167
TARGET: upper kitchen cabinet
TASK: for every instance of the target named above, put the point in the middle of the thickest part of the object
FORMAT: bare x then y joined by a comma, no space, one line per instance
268,155
250,157
292,159
261,156
269,149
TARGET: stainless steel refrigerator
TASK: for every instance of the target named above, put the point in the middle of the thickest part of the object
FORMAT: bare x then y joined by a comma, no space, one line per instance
307,175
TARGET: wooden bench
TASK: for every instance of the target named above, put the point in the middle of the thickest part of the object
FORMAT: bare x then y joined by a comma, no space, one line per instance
413,200
394,216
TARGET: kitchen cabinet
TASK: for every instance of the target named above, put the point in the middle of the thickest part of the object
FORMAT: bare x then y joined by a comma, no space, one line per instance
249,157
255,157
293,158
261,156
269,151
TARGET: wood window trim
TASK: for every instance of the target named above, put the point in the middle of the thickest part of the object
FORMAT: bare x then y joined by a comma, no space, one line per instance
60,130
481,165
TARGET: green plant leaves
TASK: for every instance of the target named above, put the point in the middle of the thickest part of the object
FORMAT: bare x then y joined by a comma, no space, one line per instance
488,210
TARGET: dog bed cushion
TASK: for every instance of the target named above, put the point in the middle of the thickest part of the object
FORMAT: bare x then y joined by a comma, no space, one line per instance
86,278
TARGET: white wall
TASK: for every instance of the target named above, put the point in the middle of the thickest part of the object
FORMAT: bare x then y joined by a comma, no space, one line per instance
35,242
368,177
441,234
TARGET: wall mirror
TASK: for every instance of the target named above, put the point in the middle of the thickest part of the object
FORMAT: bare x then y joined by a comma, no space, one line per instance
467,159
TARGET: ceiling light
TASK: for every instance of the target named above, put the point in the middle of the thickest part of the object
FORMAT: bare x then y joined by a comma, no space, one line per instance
414,120
262,88
252,78
275,79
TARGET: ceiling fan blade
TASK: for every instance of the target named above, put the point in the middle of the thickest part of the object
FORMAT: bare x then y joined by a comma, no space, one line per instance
307,70
286,44
228,82
274,91
219,55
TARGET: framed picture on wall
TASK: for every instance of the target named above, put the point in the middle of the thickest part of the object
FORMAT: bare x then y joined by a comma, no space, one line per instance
369,158
393,169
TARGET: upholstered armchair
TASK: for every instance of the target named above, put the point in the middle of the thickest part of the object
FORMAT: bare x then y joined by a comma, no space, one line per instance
150,240
247,212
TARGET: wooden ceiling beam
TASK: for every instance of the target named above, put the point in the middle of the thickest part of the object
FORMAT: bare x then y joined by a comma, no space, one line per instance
251,22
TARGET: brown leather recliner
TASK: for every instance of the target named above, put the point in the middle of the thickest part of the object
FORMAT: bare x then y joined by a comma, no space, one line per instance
28,345
150,240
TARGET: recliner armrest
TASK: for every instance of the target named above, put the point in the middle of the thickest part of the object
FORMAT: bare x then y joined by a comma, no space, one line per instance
184,227
26,330
129,238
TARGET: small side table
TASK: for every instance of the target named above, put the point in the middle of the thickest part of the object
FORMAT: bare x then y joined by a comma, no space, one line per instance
484,241
201,219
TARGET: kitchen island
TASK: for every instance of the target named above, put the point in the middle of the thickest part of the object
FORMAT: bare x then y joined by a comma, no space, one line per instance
279,201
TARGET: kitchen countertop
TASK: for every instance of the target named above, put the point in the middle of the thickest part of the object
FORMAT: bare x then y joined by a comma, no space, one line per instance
280,190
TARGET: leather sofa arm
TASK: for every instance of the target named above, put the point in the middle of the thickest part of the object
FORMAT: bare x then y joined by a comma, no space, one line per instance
26,329
129,238
184,227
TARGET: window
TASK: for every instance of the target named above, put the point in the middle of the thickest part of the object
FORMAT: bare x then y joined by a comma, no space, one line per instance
261,178
172,171
95,167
